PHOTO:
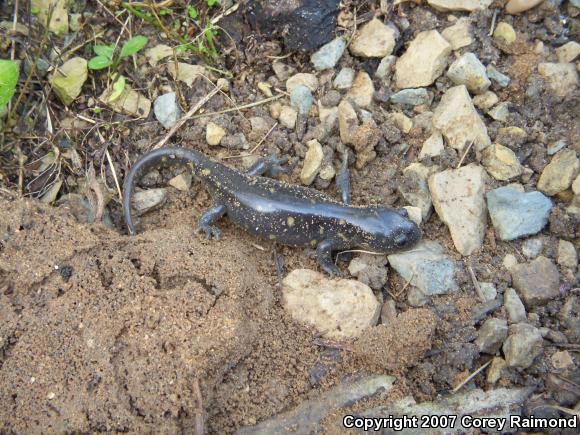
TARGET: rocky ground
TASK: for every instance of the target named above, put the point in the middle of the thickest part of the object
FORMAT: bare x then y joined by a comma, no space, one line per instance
464,112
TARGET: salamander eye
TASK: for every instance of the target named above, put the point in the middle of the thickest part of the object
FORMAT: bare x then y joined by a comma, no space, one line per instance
400,239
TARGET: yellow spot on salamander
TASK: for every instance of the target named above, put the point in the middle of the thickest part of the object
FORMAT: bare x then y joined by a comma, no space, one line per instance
272,237
321,230
205,172
313,243
342,222
290,221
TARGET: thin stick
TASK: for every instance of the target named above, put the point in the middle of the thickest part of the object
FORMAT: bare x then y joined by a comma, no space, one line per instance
492,28
470,377
188,115
14,22
235,109
465,154
199,423
114,174
475,283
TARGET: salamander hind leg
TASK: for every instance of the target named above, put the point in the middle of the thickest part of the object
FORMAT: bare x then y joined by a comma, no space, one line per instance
206,220
324,256
270,166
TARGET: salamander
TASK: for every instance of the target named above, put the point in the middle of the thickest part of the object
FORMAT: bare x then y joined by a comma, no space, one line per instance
278,211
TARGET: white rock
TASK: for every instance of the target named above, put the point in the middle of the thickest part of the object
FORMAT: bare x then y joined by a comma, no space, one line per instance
567,256
374,39
344,79
433,146
488,291
147,200
568,52
469,71
501,162
347,122
459,35
288,117
457,119
460,5
329,54
166,109
458,198
423,62
282,70
308,80
312,162
562,77
338,309
362,90
415,190
531,248
214,134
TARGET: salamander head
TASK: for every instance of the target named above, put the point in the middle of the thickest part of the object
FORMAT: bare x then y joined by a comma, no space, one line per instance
391,230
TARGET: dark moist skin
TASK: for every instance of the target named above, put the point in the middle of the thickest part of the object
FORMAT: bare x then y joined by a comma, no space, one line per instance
274,210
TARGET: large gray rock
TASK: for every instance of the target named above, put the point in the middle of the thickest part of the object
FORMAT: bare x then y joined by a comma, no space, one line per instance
458,200
516,214
328,55
427,267
538,281
336,308
522,346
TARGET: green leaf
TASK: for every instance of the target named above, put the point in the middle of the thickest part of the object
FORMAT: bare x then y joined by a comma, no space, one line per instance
99,62
34,10
8,79
118,88
211,3
104,50
192,12
165,12
133,45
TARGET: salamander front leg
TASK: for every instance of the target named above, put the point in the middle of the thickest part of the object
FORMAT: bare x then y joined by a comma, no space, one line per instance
208,218
324,256
271,166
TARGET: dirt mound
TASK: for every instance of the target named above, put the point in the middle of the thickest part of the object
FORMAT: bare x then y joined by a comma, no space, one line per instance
100,331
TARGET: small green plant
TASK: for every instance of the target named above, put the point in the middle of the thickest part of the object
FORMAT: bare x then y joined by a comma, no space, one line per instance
8,78
105,54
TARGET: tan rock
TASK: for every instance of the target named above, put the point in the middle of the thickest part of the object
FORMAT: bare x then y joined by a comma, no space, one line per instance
501,162
129,102
157,53
469,71
214,134
423,62
458,198
306,79
518,6
182,181
347,122
460,5
486,100
559,174
67,81
288,117
562,77
374,39
362,90
459,35
457,119
433,146
312,162
505,32
401,121
57,11
568,52
338,309
187,73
